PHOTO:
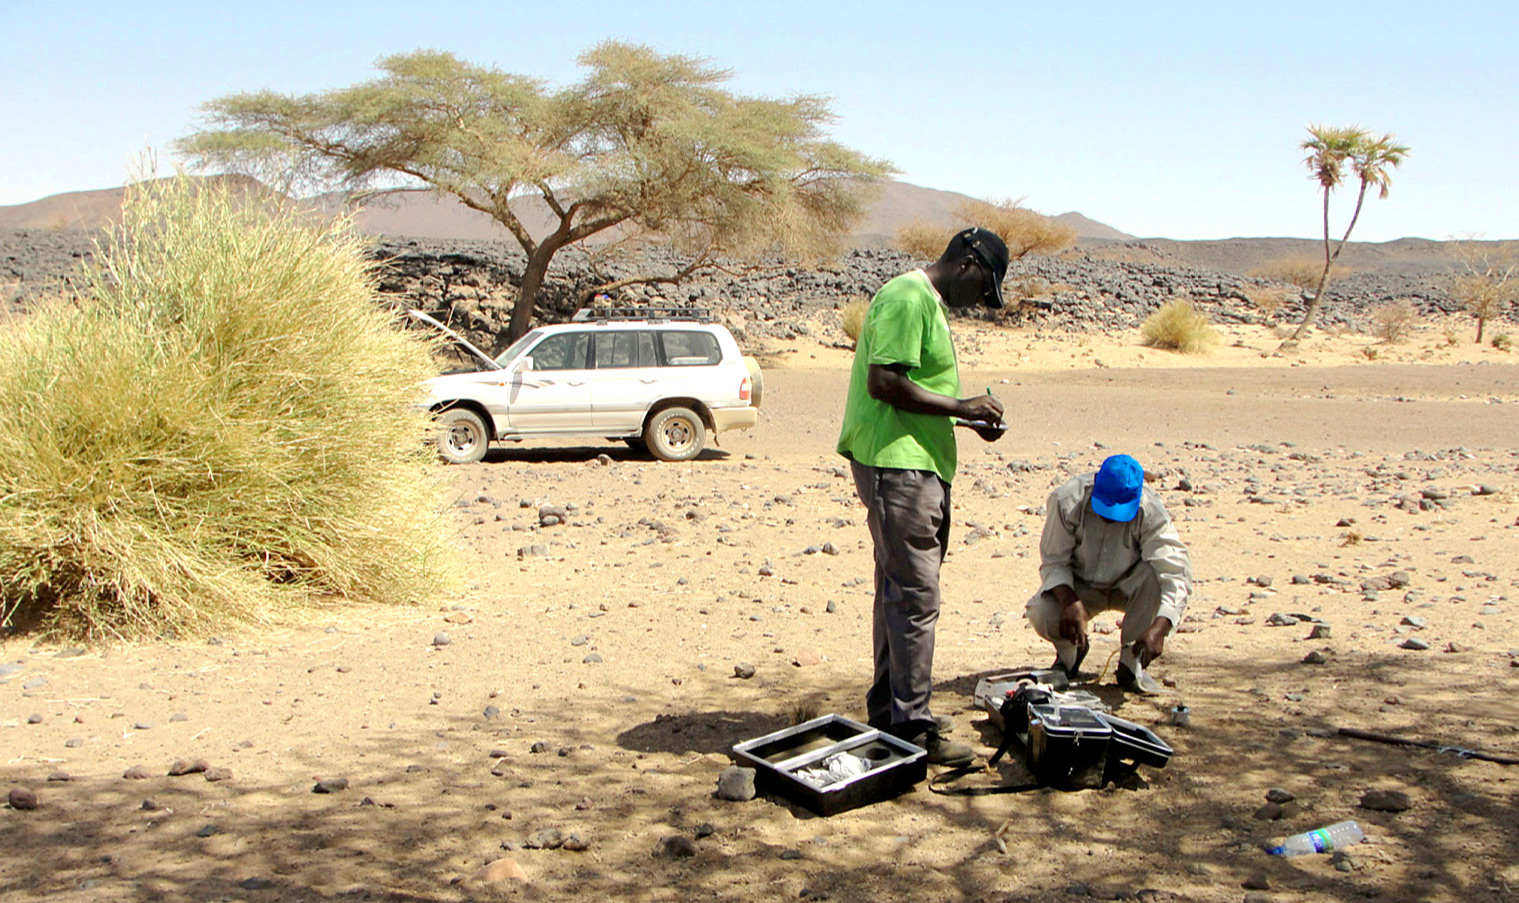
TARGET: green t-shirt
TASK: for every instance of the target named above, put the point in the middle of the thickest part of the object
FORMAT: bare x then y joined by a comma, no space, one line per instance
904,325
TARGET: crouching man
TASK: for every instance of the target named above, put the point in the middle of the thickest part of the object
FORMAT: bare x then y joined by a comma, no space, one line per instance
1109,543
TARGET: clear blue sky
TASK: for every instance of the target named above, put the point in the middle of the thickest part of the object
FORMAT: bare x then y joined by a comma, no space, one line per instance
1161,119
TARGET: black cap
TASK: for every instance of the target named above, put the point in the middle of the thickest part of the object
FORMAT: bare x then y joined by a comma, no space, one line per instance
991,251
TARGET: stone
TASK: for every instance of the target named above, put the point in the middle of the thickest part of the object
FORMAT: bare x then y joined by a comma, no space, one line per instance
22,799
1413,621
1344,861
1386,801
216,774
676,846
577,844
1319,632
330,785
1315,658
544,839
440,639
498,870
736,783
1268,812
253,884
137,773
73,742
1414,643
188,766
34,719
1256,880
491,712
592,659
1280,795
743,670
1454,646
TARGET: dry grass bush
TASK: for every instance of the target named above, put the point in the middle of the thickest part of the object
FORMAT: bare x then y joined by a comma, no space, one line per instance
1302,272
922,239
219,429
852,317
1025,231
1393,321
1178,326
1267,300
1503,341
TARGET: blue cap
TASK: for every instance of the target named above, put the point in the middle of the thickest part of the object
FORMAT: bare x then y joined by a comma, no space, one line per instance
1116,491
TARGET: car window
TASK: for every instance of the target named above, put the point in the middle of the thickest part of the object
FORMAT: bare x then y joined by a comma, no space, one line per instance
624,349
516,348
689,349
565,351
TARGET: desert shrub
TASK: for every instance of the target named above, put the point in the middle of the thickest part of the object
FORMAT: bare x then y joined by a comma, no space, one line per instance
220,428
1178,326
1266,300
1503,341
922,239
852,317
1024,231
1392,321
1302,272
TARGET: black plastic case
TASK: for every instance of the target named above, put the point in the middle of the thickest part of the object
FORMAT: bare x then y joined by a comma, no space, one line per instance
1068,746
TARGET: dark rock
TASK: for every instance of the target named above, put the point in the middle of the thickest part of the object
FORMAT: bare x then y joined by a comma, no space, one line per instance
743,670
1280,795
22,799
1257,880
576,843
188,766
1414,643
253,884
676,846
1315,658
1268,812
330,785
1386,801
137,773
216,774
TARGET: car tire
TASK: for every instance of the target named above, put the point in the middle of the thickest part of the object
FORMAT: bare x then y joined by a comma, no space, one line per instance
462,437
756,380
675,434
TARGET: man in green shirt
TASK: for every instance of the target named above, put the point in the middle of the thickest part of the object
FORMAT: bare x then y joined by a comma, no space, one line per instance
898,434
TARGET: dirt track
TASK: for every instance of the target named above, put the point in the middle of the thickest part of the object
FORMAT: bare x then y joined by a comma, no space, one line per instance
672,574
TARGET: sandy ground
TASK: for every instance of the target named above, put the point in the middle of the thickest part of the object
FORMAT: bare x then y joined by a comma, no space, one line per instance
587,686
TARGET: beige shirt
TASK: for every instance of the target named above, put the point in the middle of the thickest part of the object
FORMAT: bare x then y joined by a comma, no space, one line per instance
1078,544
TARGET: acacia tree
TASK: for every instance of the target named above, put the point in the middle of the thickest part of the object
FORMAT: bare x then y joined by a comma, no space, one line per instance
1371,159
647,145
1488,280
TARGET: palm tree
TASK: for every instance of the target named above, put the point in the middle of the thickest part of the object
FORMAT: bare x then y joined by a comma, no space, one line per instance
1329,149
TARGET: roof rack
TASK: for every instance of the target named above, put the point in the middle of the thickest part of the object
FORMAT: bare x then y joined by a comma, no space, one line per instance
594,314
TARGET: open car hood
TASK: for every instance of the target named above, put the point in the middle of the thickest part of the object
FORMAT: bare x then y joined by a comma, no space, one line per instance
489,362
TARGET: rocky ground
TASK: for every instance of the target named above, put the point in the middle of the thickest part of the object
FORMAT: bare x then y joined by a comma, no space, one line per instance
558,729
1096,288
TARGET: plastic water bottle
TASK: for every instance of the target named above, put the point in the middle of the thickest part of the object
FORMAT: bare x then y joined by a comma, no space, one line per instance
1335,837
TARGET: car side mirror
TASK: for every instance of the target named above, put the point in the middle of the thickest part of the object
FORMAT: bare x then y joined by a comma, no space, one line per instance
524,364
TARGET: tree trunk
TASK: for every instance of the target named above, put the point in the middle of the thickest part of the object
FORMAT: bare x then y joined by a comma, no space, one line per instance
533,276
1329,259
1481,322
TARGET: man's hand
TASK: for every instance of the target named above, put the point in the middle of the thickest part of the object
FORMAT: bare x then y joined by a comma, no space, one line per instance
980,407
1073,617
1152,642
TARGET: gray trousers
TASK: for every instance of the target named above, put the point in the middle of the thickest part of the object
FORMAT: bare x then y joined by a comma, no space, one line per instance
908,514
1138,597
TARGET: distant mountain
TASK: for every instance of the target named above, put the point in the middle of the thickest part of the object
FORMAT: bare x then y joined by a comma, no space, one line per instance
417,213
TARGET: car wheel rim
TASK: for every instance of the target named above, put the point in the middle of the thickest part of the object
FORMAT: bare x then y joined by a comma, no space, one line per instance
678,434
461,438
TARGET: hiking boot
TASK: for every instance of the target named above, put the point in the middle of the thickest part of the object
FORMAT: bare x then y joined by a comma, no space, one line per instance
943,752
1137,683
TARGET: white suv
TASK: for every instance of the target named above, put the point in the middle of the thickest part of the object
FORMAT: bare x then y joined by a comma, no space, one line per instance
657,378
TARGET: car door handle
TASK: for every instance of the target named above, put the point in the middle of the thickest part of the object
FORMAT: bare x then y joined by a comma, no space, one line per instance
577,384
648,382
